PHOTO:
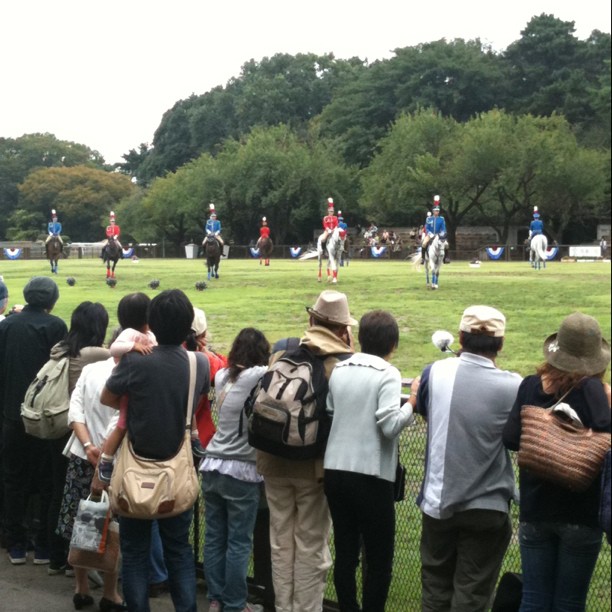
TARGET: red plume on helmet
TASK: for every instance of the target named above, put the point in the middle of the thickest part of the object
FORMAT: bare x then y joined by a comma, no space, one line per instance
212,210
436,203
330,203
112,216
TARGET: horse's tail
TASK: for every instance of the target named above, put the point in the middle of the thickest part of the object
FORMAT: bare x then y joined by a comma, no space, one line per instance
540,246
415,259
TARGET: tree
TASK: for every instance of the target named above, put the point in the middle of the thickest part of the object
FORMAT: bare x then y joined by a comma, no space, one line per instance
82,196
20,156
459,79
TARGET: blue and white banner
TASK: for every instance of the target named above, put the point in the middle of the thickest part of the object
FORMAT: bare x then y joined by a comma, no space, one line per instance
12,253
127,253
295,251
551,252
378,251
495,252
254,252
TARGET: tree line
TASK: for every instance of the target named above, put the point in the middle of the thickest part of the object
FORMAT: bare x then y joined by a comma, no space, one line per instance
493,133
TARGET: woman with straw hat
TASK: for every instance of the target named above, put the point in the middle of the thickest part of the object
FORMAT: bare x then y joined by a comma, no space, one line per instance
559,535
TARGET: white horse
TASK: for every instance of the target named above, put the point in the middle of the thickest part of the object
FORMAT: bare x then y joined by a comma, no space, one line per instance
537,251
434,257
334,247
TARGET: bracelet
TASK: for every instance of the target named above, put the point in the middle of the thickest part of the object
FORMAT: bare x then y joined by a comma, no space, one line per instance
86,445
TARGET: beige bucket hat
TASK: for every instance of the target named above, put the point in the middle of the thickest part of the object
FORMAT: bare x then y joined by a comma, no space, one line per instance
332,307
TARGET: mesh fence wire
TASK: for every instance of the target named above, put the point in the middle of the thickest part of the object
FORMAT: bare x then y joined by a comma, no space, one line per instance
405,592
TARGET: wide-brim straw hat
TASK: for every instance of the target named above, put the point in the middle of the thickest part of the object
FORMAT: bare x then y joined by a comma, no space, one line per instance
578,346
332,307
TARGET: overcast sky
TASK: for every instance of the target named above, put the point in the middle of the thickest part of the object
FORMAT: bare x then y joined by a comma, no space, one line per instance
103,73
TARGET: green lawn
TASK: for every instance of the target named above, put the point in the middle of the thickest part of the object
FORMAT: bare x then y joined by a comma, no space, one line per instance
274,300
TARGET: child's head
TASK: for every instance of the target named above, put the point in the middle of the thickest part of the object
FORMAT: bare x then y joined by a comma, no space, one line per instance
133,311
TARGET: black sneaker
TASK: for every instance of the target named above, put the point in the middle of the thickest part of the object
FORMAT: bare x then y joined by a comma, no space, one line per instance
55,568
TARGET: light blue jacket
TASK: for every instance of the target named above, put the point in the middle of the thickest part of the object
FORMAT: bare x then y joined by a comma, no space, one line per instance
364,402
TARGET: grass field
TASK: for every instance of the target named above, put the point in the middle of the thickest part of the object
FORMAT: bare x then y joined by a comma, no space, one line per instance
274,300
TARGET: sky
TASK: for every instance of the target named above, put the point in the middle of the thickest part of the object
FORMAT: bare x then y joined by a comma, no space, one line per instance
102,74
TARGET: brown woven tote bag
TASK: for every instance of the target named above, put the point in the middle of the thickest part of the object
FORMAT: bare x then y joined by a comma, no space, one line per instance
560,451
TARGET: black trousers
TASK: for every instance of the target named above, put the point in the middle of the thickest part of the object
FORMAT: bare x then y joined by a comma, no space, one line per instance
363,513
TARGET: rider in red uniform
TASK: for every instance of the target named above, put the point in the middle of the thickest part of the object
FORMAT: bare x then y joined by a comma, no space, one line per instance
264,230
112,231
330,221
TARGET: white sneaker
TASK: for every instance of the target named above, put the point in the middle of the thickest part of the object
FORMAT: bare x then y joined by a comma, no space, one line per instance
253,608
214,606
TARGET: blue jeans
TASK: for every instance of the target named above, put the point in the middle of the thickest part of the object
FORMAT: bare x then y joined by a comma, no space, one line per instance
231,510
558,560
157,567
136,548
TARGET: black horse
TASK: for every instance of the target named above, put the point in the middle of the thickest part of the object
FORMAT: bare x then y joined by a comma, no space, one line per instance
111,254
54,250
212,251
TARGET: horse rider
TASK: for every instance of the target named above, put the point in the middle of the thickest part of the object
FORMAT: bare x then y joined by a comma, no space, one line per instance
54,228
435,225
264,231
112,232
537,225
330,221
213,227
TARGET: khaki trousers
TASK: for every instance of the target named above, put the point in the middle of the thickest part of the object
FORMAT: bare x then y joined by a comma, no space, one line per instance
300,524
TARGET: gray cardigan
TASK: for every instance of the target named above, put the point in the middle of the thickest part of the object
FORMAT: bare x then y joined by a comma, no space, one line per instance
364,402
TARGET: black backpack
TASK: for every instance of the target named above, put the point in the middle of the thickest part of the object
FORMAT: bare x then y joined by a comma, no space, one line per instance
286,411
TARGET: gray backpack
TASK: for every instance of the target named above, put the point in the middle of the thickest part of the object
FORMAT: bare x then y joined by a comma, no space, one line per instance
44,410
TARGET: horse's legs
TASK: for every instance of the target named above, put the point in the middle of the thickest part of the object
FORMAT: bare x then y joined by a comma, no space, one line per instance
216,270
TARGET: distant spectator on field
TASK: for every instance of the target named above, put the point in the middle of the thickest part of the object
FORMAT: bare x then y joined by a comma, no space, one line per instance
469,482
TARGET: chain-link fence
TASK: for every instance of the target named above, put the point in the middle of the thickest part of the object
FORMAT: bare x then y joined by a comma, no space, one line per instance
405,592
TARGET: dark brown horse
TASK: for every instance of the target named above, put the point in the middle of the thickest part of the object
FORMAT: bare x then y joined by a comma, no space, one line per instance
212,251
265,250
54,250
111,254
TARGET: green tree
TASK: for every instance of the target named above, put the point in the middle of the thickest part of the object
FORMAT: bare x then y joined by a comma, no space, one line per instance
20,156
82,196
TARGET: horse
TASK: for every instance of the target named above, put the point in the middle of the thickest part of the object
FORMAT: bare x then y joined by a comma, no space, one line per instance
212,252
333,247
537,251
434,257
54,249
265,249
111,254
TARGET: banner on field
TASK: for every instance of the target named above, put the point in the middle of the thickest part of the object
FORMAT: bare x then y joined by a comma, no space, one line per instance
551,252
295,251
12,253
378,251
128,252
495,252
254,252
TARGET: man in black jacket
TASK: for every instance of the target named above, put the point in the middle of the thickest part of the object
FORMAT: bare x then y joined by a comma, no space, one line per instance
25,344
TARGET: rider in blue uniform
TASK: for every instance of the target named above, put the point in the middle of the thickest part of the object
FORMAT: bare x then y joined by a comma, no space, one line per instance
537,225
434,225
213,226
54,228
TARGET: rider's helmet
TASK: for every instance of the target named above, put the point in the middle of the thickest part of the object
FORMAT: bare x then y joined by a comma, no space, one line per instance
213,212
340,217
112,217
436,204
330,206
53,215
264,221
536,213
